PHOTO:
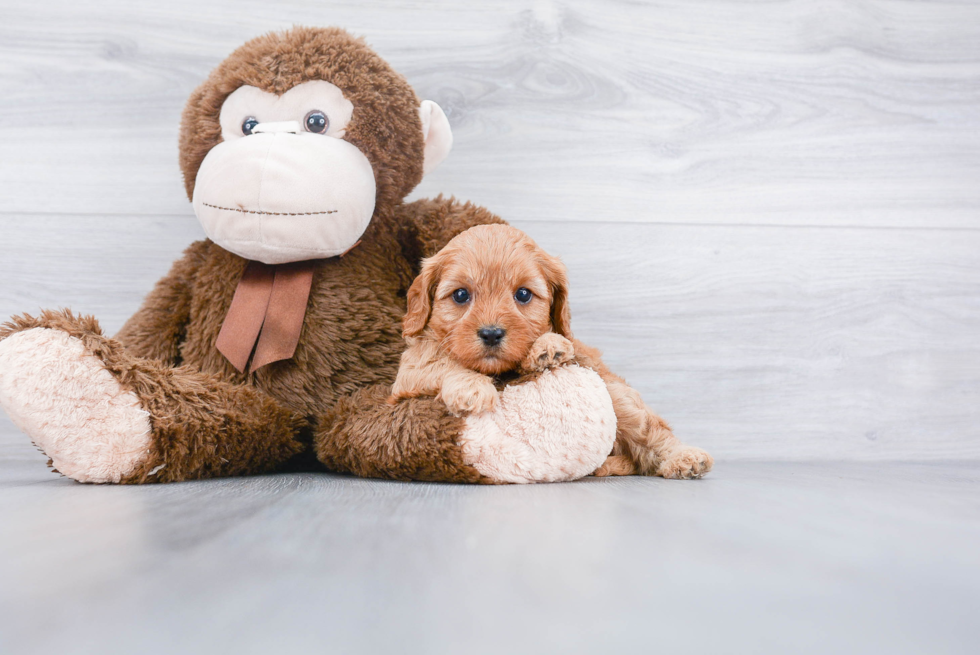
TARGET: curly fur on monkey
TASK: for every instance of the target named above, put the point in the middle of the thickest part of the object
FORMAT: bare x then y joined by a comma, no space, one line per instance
272,344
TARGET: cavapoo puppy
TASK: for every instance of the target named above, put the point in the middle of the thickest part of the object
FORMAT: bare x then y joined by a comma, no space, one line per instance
492,304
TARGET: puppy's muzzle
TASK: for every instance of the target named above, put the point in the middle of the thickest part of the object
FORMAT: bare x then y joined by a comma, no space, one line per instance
491,335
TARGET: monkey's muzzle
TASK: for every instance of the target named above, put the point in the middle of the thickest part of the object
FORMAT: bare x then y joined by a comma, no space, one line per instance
282,195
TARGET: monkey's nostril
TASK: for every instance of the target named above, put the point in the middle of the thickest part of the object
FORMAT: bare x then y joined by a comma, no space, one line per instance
491,335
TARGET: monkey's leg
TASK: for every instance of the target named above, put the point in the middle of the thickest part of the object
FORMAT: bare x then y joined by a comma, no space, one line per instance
102,415
546,427
414,439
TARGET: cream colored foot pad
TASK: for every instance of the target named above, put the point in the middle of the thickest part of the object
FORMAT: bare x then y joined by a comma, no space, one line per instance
71,407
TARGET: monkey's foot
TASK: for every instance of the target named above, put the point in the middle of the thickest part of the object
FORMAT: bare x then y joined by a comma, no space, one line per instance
71,406
561,426
686,463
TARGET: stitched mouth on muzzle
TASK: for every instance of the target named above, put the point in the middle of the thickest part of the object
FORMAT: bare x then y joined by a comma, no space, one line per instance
255,211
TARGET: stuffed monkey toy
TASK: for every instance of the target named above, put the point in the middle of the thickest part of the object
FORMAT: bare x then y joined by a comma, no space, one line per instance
272,344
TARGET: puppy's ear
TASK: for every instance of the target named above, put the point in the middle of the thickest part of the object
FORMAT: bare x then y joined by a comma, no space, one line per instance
420,297
557,277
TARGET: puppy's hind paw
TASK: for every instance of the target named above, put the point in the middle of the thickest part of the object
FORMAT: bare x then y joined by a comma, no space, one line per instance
548,351
615,465
685,464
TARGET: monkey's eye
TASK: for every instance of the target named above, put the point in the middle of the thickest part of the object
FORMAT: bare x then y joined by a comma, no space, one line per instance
316,121
460,296
248,125
523,295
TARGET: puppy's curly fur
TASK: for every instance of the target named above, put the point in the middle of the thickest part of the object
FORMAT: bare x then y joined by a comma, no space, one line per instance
495,282
492,302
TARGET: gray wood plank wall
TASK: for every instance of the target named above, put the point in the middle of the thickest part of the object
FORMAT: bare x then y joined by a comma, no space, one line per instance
770,210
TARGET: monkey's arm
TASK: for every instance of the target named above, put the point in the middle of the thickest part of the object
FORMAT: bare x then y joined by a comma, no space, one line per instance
428,225
157,329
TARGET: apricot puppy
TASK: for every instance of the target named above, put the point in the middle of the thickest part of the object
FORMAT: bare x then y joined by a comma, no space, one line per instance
489,302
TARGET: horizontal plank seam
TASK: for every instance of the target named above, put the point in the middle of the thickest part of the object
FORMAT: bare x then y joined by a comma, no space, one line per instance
910,228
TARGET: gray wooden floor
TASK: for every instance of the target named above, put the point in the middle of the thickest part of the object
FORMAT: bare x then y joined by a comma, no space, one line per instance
771,216
758,557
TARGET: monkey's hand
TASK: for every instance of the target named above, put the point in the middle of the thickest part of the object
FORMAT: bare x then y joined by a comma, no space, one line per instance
548,351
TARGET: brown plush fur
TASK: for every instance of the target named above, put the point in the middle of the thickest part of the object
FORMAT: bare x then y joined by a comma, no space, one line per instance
202,427
445,355
385,124
350,340
353,443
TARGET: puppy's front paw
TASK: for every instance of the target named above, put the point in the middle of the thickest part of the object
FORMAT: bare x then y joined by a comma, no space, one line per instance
687,463
548,351
473,396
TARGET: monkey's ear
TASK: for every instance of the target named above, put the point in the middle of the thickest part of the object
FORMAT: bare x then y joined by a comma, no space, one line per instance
437,134
420,298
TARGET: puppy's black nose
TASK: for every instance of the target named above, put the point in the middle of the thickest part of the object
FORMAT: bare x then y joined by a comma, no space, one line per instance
492,335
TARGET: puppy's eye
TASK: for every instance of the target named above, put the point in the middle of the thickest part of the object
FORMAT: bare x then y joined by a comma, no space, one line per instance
248,125
460,296
523,295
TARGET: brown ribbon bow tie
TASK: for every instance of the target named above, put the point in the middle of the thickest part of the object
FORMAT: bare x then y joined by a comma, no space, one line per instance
266,314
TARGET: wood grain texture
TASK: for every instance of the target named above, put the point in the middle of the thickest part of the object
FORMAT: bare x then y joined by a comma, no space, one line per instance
759,557
818,113
770,210
754,342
